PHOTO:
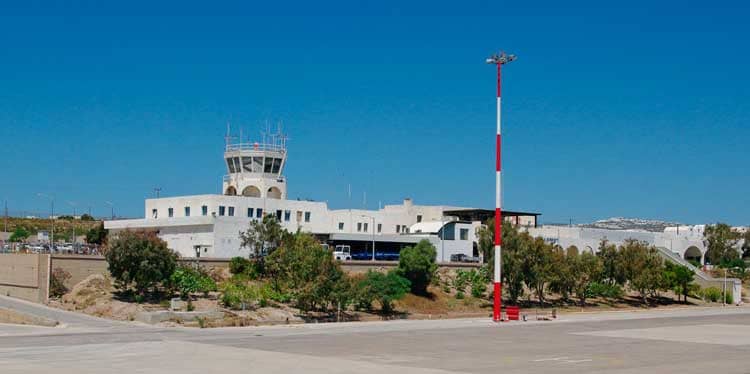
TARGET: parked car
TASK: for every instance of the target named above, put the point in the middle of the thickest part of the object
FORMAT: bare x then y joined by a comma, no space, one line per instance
460,257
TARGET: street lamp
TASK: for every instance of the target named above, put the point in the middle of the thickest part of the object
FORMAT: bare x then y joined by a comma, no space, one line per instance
112,206
52,218
73,204
499,60
373,235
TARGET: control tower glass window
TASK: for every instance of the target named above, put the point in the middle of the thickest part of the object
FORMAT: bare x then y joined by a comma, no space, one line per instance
247,164
268,165
276,165
257,164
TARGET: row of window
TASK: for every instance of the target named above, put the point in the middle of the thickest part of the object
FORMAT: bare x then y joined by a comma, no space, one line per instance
229,211
254,164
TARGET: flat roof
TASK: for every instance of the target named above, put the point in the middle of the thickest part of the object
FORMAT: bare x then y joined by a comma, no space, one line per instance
485,214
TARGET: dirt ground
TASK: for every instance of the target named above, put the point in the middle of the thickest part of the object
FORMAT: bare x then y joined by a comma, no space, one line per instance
97,296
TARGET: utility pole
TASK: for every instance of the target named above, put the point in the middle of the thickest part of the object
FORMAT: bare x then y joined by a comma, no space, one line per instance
6,217
373,235
499,60
73,204
112,206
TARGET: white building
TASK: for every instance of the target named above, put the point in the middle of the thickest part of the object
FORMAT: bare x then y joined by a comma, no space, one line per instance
684,241
209,225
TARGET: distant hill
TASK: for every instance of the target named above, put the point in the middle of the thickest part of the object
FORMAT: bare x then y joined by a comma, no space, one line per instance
620,223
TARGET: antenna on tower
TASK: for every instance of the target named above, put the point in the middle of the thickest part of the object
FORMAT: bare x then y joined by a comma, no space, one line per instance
227,137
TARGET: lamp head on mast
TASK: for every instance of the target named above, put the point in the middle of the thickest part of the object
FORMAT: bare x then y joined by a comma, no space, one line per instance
500,59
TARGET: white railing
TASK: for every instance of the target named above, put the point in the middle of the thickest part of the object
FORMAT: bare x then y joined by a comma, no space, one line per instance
255,147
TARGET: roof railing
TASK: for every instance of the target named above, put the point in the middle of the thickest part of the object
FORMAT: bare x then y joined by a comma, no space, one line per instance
255,147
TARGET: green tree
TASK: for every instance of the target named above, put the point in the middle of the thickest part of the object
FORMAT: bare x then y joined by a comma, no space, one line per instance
141,260
563,272
385,288
613,270
643,267
679,279
586,269
538,269
263,237
417,264
20,234
721,243
97,234
303,268
515,245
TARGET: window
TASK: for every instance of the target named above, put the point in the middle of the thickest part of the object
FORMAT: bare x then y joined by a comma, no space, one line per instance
287,215
405,229
259,213
204,210
419,218
187,211
247,164
170,212
448,232
359,226
154,213
276,165
307,216
278,215
299,216
380,228
341,226
222,210
268,165
365,226
231,211
250,212
464,234
398,229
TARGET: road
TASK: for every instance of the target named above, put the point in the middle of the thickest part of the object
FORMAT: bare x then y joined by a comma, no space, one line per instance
684,341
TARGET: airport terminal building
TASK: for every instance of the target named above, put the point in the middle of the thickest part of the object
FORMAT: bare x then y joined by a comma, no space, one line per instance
255,186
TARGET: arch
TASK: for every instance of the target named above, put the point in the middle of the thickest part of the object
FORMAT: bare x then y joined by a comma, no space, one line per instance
588,249
251,191
693,254
273,193
572,251
231,191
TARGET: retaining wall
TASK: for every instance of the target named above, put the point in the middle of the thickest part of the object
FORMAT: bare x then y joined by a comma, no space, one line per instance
25,276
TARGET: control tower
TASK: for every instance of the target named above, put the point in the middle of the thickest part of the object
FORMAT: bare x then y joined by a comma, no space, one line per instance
255,168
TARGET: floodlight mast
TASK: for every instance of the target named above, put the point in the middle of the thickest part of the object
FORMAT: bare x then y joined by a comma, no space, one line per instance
498,59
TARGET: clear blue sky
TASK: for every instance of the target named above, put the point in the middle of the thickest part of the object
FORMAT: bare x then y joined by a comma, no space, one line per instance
637,110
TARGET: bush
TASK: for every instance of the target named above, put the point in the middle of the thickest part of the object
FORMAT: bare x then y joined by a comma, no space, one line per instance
605,290
57,282
385,288
189,280
459,295
239,265
478,287
417,264
713,294
140,259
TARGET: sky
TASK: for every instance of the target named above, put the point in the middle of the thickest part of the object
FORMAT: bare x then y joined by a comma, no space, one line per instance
638,110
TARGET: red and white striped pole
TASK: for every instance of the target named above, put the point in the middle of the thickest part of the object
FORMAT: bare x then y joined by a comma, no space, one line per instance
498,60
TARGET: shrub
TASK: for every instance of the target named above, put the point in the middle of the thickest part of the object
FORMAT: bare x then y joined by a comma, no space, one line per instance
417,264
459,295
478,287
189,280
240,296
57,282
385,288
140,259
605,290
239,265
712,294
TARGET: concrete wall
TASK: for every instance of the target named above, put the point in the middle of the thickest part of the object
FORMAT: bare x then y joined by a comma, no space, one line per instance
25,276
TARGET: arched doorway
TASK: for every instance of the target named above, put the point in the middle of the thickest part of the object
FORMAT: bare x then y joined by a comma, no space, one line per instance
693,255
231,191
571,251
589,249
251,191
274,193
